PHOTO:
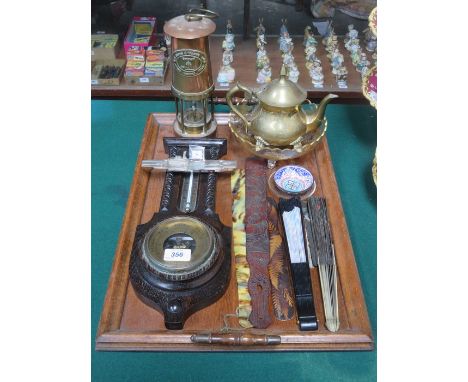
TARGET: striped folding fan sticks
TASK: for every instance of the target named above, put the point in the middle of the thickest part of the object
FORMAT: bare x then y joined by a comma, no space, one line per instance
321,249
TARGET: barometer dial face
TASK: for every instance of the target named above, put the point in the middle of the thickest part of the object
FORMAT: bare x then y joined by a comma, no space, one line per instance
180,248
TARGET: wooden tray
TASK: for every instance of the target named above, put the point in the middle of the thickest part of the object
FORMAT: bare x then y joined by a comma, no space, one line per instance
128,324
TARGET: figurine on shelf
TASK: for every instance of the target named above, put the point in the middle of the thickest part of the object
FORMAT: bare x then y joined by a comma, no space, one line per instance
229,27
363,64
228,57
352,33
342,77
310,53
261,42
264,74
285,41
355,54
260,29
316,74
328,36
350,44
337,60
309,39
283,29
371,40
332,45
288,58
262,58
227,73
162,46
293,73
228,42
286,44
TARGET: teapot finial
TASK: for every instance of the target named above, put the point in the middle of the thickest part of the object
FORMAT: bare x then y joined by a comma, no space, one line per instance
283,71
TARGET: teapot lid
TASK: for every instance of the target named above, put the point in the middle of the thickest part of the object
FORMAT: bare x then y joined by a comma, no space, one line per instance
282,92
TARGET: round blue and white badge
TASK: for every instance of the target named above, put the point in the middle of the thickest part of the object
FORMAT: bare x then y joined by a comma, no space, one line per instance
293,179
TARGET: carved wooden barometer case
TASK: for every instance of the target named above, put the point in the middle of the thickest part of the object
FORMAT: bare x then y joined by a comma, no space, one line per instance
181,261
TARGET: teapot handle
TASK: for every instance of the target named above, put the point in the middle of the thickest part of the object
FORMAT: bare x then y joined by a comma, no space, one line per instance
300,109
237,87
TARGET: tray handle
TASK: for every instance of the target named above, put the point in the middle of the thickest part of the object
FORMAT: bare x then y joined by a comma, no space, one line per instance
236,339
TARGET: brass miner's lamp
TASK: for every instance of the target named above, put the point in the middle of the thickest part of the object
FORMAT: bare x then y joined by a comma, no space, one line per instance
192,82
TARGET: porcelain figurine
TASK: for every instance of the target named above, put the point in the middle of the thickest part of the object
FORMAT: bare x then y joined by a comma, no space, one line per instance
229,27
228,57
293,73
286,44
352,33
228,42
262,58
363,64
261,42
316,74
371,40
355,54
310,53
331,48
307,34
283,29
309,39
328,36
227,73
288,58
342,78
332,44
264,74
260,29
350,44
337,60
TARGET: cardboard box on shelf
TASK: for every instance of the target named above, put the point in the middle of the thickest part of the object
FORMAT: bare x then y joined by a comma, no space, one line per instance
148,77
136,53
150,71
141,33
107,72
104,47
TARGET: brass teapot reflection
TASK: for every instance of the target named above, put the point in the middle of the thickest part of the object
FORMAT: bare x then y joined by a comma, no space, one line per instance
279,119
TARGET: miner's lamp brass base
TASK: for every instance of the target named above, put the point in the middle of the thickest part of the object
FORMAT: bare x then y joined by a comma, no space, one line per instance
195,132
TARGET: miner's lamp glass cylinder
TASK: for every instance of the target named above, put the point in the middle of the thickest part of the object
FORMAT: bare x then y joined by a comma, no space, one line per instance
194,116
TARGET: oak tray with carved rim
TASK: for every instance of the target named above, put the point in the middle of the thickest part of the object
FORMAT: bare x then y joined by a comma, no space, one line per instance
128,324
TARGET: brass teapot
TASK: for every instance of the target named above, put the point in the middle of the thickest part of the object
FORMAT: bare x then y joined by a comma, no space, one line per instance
279,119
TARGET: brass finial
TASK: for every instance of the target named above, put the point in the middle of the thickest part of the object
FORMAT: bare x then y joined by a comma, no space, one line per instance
283,71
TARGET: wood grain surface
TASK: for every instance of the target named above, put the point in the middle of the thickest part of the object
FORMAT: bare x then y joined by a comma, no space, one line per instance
128,324
246,73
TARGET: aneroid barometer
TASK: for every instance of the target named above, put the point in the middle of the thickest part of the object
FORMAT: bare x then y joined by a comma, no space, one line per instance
181,259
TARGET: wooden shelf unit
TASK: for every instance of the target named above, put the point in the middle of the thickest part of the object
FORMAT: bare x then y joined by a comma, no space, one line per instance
246,74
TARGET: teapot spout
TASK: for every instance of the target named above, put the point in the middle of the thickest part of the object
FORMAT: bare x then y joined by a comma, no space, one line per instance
313,120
